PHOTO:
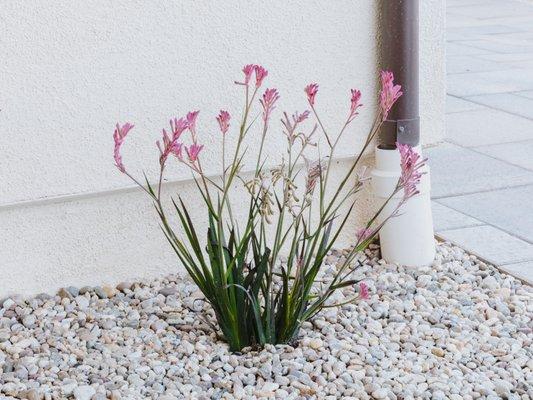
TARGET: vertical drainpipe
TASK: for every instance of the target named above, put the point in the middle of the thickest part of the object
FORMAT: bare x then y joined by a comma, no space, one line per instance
407,239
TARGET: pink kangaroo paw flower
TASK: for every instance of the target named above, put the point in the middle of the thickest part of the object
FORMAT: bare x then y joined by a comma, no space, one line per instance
118,136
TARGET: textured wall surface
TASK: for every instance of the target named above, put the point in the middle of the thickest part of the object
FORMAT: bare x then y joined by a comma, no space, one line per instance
70,70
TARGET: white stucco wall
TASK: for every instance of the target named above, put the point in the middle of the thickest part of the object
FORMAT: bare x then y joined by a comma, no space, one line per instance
71,69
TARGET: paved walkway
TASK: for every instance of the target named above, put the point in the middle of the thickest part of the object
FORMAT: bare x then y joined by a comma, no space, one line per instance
483,174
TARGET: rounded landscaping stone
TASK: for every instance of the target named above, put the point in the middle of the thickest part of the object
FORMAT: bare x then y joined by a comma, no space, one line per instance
459,329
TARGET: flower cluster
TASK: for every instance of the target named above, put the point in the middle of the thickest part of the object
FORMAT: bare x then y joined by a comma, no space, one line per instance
411,165
354,104
270,97
389,93
170,143
311,90
119,135
363,291
260,74
223,121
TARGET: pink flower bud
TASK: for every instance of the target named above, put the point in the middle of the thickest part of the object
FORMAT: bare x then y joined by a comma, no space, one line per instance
364,234
260,74
170,143
193,151
311,90
269,99
191,119
411,164
363,291
176,149
389,93
178,126
119,135
248,71
223,121
355,104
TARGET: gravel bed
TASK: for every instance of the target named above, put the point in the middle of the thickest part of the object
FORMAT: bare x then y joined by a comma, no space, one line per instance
459,329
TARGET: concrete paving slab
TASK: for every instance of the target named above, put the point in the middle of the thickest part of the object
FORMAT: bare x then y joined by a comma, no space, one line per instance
520,154
454,20
523,270
489,10
457,171
491,244
477,83
526,26
487,126
506,58
457,37
482,30
528,64
493,172
508,102
457,49
510,209
456,104
499,47
451,4
460,64
516,21
526,93
445,218
514,38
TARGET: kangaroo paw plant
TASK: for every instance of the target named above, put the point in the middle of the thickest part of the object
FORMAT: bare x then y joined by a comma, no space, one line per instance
260,273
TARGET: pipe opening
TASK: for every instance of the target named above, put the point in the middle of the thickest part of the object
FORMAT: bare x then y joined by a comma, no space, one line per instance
384,146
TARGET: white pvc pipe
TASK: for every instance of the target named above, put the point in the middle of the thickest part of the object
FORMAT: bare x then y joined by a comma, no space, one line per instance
407,239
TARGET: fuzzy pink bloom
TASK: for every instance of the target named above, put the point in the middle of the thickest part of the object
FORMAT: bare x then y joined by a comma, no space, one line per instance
119,135
411,164
176,149
311,90
260,74
223,121
355,104
248,70
389,93
191,119
178,126
363,291
165,148
193,151
364,234
268,101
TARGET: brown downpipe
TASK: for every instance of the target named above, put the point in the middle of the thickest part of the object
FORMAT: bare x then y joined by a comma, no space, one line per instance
400,55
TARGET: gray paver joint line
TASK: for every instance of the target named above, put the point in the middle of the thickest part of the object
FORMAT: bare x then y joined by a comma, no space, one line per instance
497,246
483,220
475,150
499,159
437,198
470,99
519,154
